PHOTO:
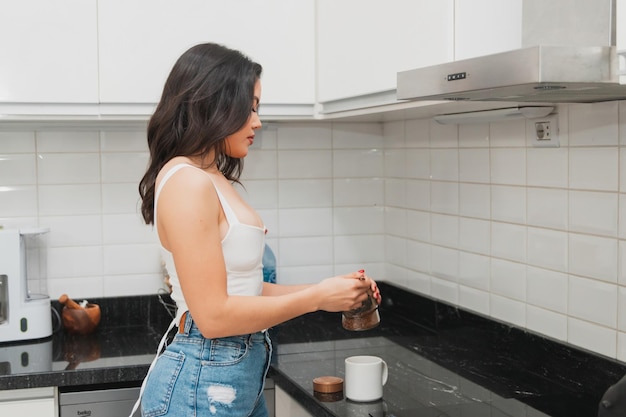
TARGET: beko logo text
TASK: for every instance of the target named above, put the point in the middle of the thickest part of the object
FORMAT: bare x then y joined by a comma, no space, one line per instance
85,413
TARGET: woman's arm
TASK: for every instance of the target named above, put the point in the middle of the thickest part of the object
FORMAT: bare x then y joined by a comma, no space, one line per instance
271,289
189,221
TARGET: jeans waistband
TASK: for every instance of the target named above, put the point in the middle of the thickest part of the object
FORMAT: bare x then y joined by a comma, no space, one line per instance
186,321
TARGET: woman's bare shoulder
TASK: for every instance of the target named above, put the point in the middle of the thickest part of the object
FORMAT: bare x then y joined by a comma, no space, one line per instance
187,176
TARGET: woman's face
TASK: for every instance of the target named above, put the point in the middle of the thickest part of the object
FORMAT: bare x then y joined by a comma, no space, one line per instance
237,144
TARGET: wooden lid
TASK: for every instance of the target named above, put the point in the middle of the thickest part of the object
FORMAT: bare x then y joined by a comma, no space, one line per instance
328,384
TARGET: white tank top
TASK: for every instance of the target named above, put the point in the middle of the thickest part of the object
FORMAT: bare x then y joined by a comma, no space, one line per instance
242,247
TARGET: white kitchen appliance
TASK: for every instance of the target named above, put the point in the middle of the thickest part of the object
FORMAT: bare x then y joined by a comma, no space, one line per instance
25,310
26,357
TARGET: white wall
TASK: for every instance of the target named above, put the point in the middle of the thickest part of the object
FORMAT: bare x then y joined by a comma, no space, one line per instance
325,214
530,236
471,215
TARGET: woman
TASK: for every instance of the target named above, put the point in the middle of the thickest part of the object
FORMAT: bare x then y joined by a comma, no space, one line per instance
213,243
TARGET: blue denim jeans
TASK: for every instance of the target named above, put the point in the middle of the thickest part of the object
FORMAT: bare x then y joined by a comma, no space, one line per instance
200,377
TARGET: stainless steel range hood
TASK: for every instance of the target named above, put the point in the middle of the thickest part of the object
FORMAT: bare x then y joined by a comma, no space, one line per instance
581,68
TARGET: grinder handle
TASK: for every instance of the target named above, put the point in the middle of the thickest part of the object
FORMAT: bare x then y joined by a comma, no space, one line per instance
69,303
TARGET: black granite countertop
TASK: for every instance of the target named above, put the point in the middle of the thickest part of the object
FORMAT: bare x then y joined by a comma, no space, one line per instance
442,361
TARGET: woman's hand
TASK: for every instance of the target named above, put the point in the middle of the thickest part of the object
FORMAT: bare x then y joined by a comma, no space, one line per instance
374,288
345,292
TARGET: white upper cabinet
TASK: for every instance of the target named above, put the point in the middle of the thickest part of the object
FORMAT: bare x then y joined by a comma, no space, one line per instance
362,44
49,51
140,40
483,27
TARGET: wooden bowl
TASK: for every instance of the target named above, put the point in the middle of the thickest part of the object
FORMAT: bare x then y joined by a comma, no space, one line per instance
81,321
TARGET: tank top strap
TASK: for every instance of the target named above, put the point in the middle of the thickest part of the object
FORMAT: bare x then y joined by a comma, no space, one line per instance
231,217
166,177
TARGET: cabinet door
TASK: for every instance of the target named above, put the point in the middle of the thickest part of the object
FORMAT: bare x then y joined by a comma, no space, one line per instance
484,27
38,402
141,39
42,407
287,406
362,44
49,51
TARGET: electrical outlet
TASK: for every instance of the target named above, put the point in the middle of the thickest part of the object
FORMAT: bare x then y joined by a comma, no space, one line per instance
544,132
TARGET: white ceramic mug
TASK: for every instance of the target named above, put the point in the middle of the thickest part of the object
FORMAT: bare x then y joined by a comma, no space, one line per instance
365,377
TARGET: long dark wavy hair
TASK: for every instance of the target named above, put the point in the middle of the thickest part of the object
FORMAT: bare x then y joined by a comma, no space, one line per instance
207,96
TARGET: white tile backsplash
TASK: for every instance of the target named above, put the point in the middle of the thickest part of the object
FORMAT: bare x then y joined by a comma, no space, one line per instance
125,140
593,212
547,167
444,230
260,164
444,263
508,204
508,134
444,290
546,322
547,289
359,249
593,257
475,235
594,168
474,135
394,164
306,251
417,194
508,241
358,192
395,221
395,192
57,200
18,169
470,214
444,164
18,201
17,142
305,164
474,300
358,220
417,133
547,248
591,336
508,279
547,207
358,135
418,225
76,141
306,222
68,168
474,165
307,193
444,197
593,301
123,166
593,125
417,163
358,163
475,200
508,310
474,270
508,166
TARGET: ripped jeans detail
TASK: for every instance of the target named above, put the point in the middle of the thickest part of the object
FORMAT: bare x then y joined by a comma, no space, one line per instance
221,377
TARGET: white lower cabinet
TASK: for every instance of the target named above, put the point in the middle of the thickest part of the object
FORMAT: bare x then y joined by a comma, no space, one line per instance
40,402
287,406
